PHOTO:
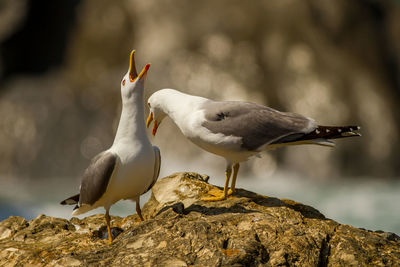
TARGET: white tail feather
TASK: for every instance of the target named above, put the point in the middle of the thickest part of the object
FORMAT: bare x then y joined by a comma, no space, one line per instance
322,142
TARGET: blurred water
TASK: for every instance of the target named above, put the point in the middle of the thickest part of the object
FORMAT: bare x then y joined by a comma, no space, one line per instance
362,202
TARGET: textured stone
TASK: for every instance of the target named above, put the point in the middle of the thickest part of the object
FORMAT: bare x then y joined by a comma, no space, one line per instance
182,230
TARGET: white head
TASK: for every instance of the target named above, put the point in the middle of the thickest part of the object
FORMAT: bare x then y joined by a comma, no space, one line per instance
132,82
156,114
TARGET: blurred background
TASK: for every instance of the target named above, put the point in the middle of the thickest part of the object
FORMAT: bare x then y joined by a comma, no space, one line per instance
61,63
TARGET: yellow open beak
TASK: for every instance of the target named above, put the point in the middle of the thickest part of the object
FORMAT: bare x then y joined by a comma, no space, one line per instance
132,68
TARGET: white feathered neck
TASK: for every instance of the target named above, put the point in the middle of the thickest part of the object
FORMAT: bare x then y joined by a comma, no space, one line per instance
131,125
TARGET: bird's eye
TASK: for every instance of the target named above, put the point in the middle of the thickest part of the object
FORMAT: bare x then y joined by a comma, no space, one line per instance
123,82
149,105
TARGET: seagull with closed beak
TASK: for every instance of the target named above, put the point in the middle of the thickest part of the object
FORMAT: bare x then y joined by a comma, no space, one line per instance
130,167
237,130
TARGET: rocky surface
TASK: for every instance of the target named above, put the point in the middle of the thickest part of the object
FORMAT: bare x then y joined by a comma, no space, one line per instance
182,230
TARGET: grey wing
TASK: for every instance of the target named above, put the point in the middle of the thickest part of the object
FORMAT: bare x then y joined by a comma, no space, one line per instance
157,166
256,124
96,177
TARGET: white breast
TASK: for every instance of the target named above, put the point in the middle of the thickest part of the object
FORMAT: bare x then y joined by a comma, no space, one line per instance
133,175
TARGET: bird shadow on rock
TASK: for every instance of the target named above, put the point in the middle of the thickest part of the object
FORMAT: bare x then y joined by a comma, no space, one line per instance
306,211
180,209
236,208
265,201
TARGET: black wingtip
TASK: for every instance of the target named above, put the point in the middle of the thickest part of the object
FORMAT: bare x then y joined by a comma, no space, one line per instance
71,200
334,132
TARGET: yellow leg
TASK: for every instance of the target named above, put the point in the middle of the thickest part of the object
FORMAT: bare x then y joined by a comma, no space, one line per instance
218,194
138,210
110,239
235,173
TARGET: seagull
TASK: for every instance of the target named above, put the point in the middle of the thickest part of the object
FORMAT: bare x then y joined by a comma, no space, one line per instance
130,167
237,130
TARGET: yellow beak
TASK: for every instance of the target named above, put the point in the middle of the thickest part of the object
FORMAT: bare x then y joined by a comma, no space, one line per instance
132,68
149,119
144,71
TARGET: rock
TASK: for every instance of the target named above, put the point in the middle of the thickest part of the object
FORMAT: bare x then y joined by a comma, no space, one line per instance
180,229
10,226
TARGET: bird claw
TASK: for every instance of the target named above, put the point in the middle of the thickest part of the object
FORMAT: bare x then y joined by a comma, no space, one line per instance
216,198
217,194
230,192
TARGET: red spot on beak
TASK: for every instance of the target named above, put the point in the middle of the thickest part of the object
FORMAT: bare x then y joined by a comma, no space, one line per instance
155,126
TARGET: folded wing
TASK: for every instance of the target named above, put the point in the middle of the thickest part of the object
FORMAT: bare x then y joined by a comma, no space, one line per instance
95,180
257,125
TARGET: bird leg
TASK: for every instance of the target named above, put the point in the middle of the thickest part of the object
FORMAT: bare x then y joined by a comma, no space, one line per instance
219,194
110,238
233,184
138,210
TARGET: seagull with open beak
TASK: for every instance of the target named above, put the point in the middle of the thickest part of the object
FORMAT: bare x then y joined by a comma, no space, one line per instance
130,167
